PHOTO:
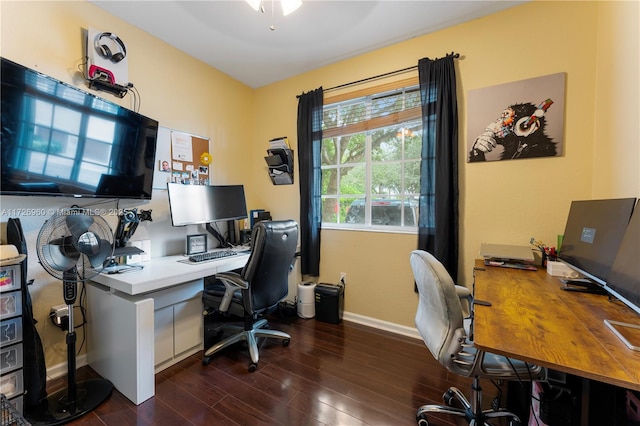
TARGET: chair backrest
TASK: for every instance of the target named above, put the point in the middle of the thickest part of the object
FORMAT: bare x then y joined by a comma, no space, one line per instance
273,252
439,318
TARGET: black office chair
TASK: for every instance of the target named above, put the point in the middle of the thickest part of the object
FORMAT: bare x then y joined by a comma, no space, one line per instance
256,290
441,324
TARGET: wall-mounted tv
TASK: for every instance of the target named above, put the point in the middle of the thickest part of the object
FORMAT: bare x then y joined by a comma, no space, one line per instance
58,140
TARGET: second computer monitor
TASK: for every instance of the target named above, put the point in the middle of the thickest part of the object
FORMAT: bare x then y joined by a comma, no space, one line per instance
624,278
593,234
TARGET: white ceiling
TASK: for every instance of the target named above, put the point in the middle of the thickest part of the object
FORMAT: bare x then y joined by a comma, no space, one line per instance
235,39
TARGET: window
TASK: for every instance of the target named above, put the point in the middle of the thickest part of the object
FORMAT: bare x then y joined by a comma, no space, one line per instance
370,163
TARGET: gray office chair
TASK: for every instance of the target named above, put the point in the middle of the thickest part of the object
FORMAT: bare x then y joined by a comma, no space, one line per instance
440,322
256,290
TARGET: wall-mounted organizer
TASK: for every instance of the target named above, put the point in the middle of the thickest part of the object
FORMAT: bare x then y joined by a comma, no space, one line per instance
280,163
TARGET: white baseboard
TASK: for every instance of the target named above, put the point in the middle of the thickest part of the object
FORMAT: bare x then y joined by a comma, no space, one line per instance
382,325
61,369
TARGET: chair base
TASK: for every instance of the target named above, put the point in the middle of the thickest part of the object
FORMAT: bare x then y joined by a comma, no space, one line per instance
250,336
471,411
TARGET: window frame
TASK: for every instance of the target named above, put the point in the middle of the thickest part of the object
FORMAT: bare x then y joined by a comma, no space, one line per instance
365,127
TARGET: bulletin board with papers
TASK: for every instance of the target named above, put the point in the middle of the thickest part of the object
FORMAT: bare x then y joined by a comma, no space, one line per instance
181,158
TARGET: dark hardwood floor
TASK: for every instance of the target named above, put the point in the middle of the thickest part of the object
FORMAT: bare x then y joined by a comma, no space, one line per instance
345,374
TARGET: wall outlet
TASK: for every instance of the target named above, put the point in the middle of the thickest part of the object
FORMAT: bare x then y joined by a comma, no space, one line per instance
343,278
60,316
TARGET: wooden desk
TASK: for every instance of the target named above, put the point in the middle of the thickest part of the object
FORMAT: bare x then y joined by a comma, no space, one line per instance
532,319
142,322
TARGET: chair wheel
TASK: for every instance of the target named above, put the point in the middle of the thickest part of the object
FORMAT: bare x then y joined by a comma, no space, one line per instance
422,420
285,342
206,360
448,397
252,367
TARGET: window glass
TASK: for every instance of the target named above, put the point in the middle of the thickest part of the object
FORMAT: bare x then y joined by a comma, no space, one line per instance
371,161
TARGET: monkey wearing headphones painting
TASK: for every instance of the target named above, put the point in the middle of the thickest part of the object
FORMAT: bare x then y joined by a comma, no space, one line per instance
520,132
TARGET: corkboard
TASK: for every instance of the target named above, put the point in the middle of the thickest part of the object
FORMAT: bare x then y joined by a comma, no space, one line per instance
181,158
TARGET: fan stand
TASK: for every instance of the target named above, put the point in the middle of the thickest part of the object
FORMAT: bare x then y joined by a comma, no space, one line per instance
78,399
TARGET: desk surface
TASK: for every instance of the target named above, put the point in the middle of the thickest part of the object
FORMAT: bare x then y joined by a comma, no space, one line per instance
532,319
162,272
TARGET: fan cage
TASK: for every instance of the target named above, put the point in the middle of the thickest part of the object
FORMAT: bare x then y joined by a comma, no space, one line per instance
56,228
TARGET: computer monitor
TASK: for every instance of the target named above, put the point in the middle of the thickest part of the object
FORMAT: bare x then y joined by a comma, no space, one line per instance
593,234
624,278
201,204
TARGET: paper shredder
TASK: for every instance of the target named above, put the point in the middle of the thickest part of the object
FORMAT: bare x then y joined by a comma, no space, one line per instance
329,302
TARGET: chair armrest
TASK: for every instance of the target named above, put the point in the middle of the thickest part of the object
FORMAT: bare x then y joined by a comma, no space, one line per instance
466,299
232,282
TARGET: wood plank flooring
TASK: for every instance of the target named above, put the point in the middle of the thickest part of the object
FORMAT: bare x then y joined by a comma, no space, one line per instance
345,374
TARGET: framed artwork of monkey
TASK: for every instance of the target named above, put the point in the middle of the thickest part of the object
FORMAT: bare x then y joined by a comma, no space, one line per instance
521,119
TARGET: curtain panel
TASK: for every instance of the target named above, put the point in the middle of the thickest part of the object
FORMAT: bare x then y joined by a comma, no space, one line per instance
309,144
438,222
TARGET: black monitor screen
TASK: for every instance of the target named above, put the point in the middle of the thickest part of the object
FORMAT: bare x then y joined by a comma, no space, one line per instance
593,234
196,204
624,279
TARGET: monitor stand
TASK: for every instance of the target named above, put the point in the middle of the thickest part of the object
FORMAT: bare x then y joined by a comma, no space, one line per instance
223,242
231,231
583,286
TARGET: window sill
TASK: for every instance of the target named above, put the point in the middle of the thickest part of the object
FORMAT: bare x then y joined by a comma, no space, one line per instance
380,229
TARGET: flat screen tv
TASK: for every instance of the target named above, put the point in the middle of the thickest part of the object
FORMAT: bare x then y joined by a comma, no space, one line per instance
201,204
58,140
593,234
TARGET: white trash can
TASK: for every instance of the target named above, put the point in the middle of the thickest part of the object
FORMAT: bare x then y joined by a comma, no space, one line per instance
306,300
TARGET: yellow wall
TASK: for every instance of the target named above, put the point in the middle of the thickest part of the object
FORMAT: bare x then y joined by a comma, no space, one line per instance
616,148
595,43
511,201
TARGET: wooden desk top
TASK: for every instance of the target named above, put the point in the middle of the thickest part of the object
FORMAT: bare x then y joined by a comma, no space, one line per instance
533,320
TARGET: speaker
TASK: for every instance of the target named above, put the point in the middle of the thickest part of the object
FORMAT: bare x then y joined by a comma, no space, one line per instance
104,50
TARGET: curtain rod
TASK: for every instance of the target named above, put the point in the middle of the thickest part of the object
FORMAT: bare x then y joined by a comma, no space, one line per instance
455,56
364,80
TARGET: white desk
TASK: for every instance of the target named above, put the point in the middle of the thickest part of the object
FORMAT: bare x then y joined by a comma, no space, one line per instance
142,322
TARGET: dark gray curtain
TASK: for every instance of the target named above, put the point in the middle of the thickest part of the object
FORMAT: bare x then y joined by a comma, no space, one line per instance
309,141
438,224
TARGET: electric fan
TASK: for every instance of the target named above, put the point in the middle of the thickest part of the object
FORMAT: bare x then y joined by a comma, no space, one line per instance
72,246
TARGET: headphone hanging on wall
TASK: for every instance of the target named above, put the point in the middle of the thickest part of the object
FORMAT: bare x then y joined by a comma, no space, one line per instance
104,50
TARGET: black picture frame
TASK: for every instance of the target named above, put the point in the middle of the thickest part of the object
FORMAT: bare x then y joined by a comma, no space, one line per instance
196,243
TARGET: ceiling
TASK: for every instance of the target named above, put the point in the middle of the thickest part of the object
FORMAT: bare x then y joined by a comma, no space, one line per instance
235,39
